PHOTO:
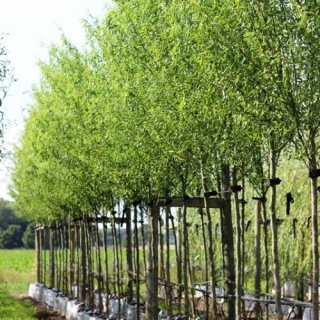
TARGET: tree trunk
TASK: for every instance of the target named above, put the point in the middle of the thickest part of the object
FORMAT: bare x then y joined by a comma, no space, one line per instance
129,255
106,274
185,261
238,248
71,254
152,270
211,252
274,233
38,252
137,261
179,256
52,261
227,239
257,251
315,232
168,287
83,261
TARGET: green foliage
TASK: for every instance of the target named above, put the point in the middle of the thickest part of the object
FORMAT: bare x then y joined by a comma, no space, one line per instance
12,227
164,86
28,238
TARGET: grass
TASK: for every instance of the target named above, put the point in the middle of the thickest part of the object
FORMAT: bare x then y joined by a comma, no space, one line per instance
17,270
14,309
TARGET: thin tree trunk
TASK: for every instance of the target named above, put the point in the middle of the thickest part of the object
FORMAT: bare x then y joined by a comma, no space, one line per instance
211,251
83,260
129,255
90,278
143,244
238,248
152,271
44,252
137,261
185,261
274,234
106,274
99,278
168,286
71,253
38,252
243,229
179,256
227,239
315,233
257,251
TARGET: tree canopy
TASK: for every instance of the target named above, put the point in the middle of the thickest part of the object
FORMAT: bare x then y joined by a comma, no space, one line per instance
165,91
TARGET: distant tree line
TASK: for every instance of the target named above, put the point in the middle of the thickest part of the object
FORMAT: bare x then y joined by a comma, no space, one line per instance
15,232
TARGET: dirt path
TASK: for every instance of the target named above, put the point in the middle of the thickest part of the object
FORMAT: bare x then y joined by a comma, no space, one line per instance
42,313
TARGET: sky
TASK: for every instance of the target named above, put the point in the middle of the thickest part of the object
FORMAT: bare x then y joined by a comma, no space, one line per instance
30,26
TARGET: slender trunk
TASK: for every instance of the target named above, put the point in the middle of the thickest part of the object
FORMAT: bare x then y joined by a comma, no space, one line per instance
44,252
99,265
257,251
274,234
227,239
168,287
315,232
65,257
185,261
71,253
238,248
143,245
243,229
257,273
78,262
106,274
117,265
52,262
152,270
161,240
120,252
266,251
88,253
83,261
177,246
137,261
38,252
211,252
129,255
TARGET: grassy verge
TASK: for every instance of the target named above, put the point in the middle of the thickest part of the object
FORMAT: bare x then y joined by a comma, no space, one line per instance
14,309
17,270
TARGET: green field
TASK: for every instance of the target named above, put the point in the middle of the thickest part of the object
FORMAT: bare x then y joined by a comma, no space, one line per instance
17,270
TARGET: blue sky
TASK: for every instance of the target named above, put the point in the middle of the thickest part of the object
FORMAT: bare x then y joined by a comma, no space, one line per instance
32,25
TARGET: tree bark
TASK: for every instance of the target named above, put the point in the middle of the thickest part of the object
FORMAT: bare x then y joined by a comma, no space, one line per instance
274,234
129,255
257,251
152,270
238,249
211,252
52,261
315,234
38,252
227,241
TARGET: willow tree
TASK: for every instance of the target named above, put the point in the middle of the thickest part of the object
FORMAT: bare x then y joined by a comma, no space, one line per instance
163,71
301,74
